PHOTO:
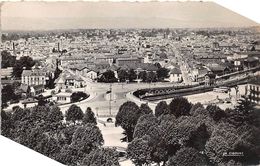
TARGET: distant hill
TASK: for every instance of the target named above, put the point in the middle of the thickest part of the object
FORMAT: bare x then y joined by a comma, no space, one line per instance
76,15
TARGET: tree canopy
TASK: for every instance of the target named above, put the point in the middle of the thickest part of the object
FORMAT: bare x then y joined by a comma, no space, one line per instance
74,113
180,106
127,117
103,156
89,117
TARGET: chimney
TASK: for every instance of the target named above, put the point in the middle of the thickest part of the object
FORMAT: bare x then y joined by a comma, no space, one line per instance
59,46
14,49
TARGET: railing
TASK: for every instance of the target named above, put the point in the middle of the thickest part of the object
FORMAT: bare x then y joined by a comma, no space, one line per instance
170,92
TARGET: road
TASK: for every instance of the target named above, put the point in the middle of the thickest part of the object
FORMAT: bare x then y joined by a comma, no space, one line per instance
100,101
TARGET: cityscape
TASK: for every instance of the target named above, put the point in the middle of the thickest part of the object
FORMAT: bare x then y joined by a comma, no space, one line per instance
134,96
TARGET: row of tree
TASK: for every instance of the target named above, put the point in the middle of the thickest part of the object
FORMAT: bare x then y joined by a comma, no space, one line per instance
130,75
185,134
73,139
24,62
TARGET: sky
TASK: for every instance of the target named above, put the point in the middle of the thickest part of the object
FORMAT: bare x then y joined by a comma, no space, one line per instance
71,15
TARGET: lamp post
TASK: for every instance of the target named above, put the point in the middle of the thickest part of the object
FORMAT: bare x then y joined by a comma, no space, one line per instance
110,98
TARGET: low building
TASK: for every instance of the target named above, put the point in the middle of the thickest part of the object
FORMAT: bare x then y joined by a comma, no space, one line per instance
6,72
198,72
62,97
92,74
175,75
36,90
128,61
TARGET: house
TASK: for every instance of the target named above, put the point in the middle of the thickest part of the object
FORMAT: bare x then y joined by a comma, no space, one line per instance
68,80
78,82
92,74
209,79
175,75
36,90
60,83
252,90
198,73
62,97
34,77
23,90
6,72
218,69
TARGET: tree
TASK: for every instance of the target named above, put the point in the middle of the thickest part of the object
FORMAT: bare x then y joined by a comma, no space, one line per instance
78,96
143,76
180,106
145,125
199,138
139,151
162,73
108,77
187,157
39,114
131,75
195,107
7,124
7,59
87,138
69,155
244,105
226,138
48,146
161,108
55,115
243,114
145,109
122,75
103,156
24,62
148,125
74,113
66,134
7,95
89,117
41,100
215,112
20,114
151,77
127,117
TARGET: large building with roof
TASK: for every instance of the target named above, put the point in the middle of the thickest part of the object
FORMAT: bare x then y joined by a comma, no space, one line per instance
33,77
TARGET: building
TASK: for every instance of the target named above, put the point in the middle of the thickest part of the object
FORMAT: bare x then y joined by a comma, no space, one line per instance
198,72
128,61
6,72
62,97
175,75
33,77
92,74
252,90
36,90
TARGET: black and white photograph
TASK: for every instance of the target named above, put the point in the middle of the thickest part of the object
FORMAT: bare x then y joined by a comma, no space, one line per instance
172,83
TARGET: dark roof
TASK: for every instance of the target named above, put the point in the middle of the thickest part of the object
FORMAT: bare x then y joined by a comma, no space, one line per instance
210,75
175,71
35,72
24,87
144,66
255,81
